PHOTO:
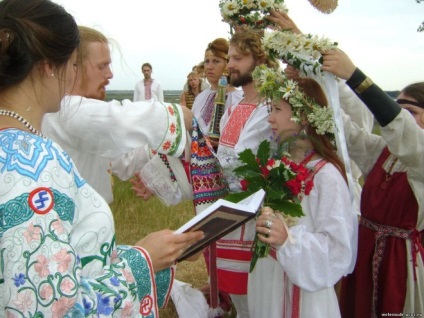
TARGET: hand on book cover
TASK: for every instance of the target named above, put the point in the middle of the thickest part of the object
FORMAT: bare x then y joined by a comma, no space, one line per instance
165,247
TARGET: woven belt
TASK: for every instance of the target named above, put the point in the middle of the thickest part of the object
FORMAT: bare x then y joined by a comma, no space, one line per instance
382,232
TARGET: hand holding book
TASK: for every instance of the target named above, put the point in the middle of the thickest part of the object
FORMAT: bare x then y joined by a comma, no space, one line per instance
219,219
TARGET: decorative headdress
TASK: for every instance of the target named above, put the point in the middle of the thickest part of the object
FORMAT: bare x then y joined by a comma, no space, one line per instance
325,6
249,12
275,86
300,50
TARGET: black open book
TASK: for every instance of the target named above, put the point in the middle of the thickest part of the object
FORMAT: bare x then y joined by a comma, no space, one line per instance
219,219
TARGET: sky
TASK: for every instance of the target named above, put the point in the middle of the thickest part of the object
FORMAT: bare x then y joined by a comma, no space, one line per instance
380,36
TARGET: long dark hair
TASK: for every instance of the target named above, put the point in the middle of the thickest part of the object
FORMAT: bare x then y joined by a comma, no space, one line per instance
32,31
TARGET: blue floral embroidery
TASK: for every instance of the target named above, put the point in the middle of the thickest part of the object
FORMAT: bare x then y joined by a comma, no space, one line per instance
103,307
19,280
87,306
114,281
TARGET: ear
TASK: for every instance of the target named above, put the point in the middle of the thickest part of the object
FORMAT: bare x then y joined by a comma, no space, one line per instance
47,69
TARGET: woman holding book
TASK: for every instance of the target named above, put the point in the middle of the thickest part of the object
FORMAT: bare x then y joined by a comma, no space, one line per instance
389,272
306,260
58,250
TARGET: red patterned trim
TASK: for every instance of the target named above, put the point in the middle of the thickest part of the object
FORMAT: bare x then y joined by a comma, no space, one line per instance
296,302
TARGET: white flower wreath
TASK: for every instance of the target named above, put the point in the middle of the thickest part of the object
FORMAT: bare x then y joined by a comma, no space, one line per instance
249,12
299,50
276,86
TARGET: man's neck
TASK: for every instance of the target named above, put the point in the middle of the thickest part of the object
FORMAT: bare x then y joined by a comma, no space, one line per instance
251,95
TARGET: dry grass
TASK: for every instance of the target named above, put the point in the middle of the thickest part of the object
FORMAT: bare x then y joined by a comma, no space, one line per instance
135,218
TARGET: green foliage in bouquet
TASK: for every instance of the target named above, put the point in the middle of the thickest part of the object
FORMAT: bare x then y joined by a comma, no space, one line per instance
283,181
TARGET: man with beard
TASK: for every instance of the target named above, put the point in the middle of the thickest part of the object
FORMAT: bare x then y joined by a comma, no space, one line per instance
94,132
244,125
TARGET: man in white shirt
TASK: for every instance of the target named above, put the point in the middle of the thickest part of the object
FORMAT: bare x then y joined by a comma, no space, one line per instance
94,132
148,87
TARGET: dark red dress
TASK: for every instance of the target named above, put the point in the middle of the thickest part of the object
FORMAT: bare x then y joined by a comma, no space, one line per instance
389,216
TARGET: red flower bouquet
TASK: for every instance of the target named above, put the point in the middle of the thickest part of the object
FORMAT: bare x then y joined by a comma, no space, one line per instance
284,182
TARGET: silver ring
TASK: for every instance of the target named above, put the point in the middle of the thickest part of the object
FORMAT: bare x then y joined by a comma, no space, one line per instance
268,223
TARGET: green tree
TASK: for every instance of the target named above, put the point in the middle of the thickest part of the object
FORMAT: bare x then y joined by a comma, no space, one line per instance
421,27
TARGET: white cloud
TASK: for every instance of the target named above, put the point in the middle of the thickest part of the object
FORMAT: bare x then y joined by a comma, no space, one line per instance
379,35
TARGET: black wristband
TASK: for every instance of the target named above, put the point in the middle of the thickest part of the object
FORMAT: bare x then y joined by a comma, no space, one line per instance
383,107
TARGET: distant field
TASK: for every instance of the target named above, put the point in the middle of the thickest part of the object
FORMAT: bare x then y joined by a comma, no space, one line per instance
170,96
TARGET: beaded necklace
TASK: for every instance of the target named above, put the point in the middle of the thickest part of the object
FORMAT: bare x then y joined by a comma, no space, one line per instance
22,120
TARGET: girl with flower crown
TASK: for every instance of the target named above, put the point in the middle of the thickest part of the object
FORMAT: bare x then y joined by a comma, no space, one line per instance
389,272
297,278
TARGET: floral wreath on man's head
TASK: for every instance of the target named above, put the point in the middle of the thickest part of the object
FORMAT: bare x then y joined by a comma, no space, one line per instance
249,12
275,86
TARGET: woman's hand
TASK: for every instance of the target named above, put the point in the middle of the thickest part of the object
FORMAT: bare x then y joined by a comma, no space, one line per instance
140,188
292,72
337,62
164,247
282,20
271,227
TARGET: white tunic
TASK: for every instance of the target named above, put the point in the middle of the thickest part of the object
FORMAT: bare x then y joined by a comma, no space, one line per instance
157,92
93,132
200,104
319,256
240,130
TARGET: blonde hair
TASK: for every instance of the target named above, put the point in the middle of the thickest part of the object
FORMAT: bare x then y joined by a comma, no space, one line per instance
189,89
87,36
250,42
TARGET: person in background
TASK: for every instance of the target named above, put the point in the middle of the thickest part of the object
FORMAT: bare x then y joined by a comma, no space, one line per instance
59,255
95,132
389,272
194,84
148,87
297,278
215,65
199,69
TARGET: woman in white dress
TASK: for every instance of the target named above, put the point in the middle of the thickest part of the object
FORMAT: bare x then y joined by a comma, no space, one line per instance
297,278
